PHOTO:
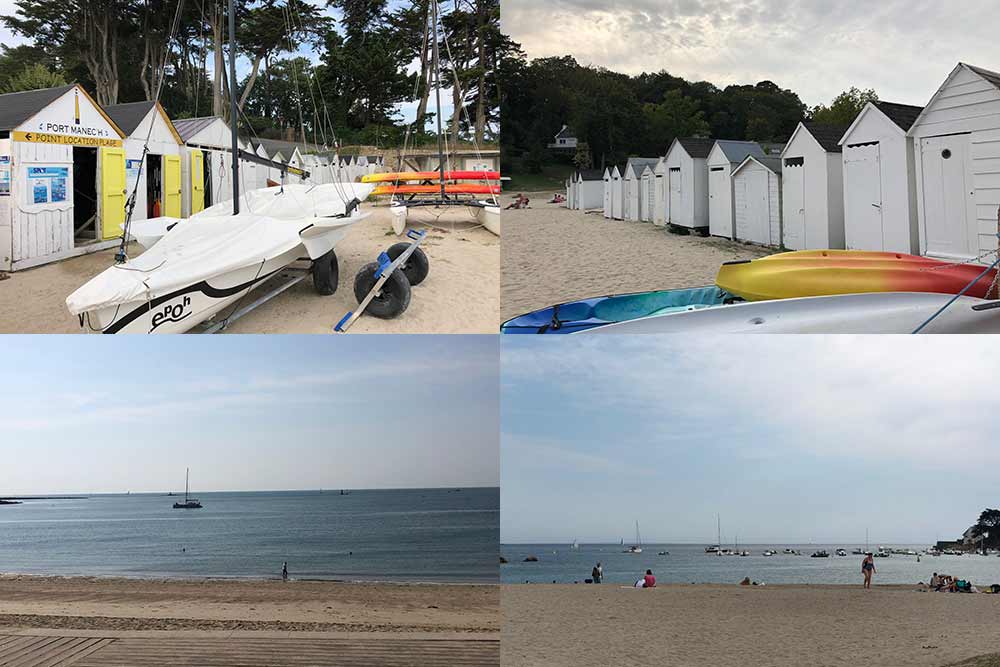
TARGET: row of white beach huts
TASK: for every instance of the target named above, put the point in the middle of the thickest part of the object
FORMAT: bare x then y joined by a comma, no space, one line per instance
68,166
900,178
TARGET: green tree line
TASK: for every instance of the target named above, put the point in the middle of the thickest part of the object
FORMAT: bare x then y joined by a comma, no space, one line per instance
361,72
615,115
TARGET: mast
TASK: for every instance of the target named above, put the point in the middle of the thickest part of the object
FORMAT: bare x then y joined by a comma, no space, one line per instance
233,111
435,56
187,475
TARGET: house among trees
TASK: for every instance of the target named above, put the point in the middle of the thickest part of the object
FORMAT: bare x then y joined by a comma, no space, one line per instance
565,140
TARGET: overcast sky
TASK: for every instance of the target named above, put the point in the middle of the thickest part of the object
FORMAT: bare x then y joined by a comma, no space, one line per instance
791,439
92,414
902,48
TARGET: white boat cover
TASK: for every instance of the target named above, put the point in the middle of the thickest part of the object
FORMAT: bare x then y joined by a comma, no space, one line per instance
212,245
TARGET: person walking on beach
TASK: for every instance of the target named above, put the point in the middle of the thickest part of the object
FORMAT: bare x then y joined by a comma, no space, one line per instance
868,569
284,571
597,573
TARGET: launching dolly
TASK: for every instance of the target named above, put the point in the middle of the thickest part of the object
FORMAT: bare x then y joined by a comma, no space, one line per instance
383,287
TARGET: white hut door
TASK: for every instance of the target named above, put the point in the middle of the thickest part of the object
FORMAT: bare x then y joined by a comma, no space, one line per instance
719,211
949,204
794,207
674,209
758,220
863,182
650,200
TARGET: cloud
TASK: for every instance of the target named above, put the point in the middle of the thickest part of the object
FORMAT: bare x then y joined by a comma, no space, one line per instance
903,49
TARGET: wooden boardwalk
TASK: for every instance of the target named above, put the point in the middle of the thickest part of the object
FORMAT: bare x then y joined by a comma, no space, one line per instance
166,649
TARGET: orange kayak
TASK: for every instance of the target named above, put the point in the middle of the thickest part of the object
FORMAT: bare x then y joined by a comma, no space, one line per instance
395,176
449,189
828,272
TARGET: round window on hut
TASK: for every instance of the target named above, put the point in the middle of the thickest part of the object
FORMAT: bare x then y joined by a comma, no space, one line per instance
946,153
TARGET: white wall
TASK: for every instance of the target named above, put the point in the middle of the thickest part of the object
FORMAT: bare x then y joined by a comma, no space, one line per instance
631,211
40,230
616,195
824,195
590,195
660,194
606,186
745,186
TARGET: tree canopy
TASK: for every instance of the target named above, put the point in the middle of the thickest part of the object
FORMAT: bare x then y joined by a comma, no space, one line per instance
617,115
308,73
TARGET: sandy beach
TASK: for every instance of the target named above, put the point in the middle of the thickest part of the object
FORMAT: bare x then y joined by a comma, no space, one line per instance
460,295
552,255
776,626
85,603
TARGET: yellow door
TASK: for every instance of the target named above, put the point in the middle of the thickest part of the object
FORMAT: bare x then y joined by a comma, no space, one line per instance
197,182
172,186
112,192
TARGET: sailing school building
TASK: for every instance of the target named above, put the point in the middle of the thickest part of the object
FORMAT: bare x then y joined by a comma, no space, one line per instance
68,167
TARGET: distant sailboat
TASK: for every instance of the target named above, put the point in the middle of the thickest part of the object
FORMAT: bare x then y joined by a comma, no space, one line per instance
189,503
637,547
576,545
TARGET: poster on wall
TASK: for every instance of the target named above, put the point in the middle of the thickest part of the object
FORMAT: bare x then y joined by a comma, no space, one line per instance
47,184
4,175
132,174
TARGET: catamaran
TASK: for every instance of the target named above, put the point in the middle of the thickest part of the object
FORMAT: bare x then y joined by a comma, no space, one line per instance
637,547
189,502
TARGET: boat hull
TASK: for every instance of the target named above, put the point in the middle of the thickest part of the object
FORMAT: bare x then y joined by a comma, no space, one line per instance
828,272
449,189
882,313
489,217
398,218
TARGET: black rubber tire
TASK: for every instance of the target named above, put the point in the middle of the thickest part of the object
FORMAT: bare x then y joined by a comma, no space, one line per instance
416,267
326,274
394,297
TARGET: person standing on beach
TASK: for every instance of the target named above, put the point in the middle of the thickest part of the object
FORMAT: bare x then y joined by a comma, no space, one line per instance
597,573
868,569
284,571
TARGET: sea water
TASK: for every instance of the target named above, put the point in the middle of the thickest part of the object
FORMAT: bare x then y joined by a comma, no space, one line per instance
432,535
688,563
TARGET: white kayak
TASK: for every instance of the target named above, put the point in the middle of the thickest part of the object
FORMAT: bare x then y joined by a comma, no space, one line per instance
199,266
877,312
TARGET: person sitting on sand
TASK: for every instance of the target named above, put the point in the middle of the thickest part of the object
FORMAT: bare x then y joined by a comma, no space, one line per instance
597,573
935,582
649,581
746,581
519,202
868,569
557,199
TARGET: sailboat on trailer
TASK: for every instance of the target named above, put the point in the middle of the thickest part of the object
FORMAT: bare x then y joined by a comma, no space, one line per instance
189,502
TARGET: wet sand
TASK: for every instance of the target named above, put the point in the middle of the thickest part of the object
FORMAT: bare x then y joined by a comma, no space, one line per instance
552,255
776,626
113,604
460,295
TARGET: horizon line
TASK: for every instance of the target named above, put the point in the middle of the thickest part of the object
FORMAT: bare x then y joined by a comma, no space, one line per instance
317,489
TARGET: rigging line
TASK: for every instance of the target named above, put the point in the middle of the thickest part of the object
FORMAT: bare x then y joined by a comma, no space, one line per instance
312,75
122,256
955,298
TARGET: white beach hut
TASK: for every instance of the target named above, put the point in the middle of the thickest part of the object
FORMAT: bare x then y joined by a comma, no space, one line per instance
646,194
157,184
632,188
589,189
62,177
616,193
724,157
812,188
687,182
207,165
607,193
880,188
570,185
957,152
757,200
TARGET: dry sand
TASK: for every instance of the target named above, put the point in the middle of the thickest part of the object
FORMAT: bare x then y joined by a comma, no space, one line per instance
776,626
85,603
460,295
553,255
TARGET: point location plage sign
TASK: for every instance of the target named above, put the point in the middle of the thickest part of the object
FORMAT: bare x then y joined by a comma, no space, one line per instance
66,139
63,123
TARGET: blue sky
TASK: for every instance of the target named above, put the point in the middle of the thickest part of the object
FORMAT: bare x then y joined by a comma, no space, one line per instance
788,438
92,414
407,110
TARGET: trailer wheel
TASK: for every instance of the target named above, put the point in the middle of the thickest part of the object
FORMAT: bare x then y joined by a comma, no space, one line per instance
326,274
391,301
416,266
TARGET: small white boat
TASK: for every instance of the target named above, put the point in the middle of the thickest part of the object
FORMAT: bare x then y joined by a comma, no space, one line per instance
876,312
195,268
769,552
841,552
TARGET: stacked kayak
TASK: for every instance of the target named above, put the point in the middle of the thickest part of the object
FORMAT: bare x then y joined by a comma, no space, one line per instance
449,189
400,176
812,291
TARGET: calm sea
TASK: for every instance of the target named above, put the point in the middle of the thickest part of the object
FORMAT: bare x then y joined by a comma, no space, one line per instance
433,535
688,563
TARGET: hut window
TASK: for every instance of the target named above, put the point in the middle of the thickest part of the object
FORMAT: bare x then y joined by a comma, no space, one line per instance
946,153
795,162
716,169
675,169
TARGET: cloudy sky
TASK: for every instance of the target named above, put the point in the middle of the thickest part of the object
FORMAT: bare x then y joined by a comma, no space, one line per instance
788,438
88,414
902,48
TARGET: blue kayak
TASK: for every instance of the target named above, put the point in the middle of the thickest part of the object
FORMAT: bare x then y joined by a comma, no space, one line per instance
567,318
